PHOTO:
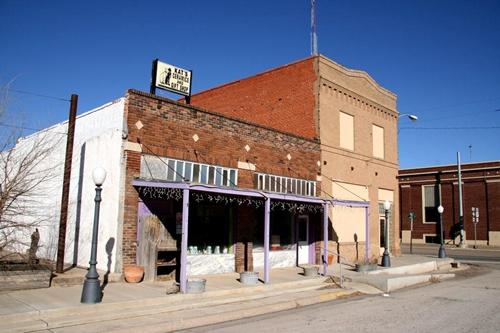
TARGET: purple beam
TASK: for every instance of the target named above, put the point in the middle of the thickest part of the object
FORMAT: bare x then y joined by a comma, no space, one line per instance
367,233
184,241
228,191
267,213
351,203
325,238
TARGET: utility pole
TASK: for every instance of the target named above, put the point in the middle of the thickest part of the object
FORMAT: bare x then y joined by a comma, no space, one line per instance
66,182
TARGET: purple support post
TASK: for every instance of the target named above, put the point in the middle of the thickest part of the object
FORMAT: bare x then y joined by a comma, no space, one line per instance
267,213
325,238
367,233
184,240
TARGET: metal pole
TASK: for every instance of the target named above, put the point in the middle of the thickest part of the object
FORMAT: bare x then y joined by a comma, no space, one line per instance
460,203
386,261
184,240
267,213
325,239
442,253
63,217
367,234
411,232
475,236
91,292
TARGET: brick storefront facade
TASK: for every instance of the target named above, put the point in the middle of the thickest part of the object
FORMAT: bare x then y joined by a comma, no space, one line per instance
481,189
166,128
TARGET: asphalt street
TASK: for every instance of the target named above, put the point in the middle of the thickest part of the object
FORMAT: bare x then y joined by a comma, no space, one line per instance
468,255
468,303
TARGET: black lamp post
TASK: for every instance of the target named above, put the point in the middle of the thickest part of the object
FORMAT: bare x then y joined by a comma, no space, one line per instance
386,260
441,253
92,286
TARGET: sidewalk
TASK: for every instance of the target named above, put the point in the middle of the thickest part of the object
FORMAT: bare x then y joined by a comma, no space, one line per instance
149,307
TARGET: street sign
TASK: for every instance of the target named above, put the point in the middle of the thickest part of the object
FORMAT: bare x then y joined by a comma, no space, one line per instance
475,215
475,220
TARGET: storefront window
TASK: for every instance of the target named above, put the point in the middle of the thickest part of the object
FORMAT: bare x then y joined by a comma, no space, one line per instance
210,229
281,232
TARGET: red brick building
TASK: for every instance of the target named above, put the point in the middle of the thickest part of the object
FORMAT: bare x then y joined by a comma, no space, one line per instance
422,190
354,120
169,142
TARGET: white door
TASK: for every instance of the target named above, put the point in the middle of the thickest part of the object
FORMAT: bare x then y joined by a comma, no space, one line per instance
303,240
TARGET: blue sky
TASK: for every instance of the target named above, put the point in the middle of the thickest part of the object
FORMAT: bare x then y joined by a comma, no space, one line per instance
441,58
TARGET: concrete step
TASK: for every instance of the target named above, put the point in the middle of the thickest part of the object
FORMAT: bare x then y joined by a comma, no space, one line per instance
205,315
43,319
420,268
390,283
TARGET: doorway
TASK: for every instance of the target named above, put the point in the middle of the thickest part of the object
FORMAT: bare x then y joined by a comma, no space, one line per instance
303,240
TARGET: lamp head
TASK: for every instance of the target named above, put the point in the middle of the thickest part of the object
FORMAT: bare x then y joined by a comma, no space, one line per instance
440,209
413,117
99,175
387,205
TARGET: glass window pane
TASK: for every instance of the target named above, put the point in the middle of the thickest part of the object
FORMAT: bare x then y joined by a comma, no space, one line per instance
178,171
203,176
288,185
232,178
224,178
170,170
211,171
218,176
273,183
266,186
187,171
196,173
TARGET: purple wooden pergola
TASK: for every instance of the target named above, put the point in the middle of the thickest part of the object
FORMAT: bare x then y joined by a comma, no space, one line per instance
267,196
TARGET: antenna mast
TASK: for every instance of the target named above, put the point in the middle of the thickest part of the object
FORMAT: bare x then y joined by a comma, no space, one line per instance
314,37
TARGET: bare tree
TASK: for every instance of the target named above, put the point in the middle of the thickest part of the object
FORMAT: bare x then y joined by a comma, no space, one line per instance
26,175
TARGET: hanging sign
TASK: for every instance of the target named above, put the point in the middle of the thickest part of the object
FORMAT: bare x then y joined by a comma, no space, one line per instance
171,78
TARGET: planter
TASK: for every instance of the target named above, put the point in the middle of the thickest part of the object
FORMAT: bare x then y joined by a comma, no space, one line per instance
133,273
196,286
249,277
17,277
311,270
365,267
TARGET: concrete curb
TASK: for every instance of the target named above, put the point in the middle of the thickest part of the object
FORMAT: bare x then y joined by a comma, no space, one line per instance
84,314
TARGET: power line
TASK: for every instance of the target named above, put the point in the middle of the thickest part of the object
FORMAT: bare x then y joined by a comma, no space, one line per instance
27,128
453,128
38,95
459,104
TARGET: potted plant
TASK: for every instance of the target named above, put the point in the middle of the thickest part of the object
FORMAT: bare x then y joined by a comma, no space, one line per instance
310,270
133,273
367,265
196,286
249,277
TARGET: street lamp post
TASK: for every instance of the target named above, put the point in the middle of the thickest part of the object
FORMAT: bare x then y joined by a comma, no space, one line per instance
441,253
386,260
412,117
91,292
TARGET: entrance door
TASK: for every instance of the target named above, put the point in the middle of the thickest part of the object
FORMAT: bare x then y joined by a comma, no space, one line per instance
303,240
382,233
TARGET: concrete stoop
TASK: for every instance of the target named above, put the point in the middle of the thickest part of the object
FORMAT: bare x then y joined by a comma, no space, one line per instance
395,278
278,297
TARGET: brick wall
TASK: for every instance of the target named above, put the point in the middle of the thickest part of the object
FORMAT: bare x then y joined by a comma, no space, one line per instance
281,98
168,129
481,189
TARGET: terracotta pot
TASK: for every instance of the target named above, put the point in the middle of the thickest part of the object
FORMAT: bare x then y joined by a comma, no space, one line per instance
330,259
133,273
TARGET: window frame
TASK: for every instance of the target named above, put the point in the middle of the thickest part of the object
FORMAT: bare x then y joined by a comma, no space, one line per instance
438,199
